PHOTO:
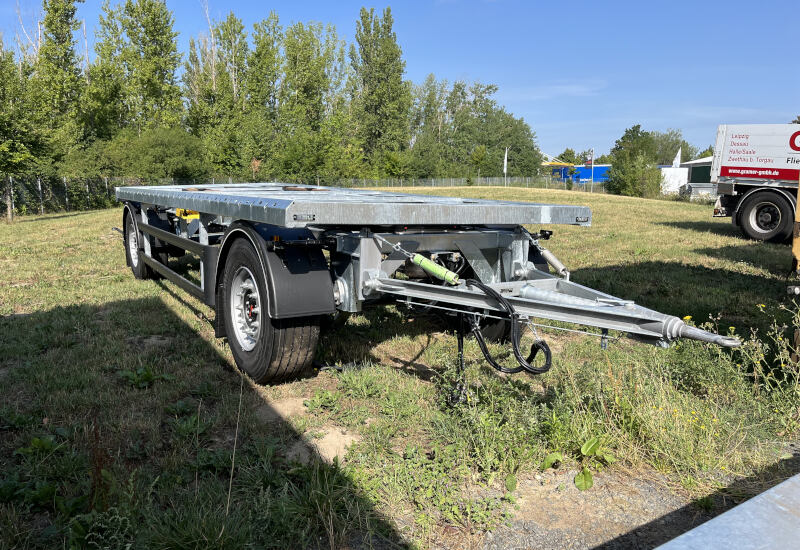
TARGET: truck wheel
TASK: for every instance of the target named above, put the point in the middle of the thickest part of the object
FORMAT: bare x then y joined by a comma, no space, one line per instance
268,350
138,267
494,330
766,216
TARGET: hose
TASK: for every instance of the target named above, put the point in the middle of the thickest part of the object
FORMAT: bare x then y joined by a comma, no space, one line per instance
536,347
446,276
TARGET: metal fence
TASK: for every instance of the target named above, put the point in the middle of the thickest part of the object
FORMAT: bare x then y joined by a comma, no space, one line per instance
26,195
537,182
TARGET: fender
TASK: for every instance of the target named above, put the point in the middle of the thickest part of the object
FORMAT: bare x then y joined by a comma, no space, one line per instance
299,283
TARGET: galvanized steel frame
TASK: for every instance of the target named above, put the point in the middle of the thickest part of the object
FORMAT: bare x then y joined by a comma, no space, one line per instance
294,206
362,265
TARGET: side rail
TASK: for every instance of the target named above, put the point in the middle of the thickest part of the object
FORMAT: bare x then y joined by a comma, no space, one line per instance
209,254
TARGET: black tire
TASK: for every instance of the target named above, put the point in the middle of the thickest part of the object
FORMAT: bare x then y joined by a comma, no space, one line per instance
132,253
766,216
281,348
494,330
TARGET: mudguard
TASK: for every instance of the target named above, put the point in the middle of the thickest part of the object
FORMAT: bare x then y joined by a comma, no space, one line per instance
298,280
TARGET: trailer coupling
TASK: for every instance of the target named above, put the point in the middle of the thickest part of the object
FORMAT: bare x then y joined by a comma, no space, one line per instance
546,297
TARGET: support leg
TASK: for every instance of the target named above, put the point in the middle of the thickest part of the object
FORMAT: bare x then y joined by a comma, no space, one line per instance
459,394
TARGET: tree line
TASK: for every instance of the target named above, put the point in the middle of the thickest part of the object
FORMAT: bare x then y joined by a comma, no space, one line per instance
635,159
637,154
289,102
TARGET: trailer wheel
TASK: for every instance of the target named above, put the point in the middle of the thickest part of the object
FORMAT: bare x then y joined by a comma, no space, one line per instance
494,330
138,267
766,216
268,350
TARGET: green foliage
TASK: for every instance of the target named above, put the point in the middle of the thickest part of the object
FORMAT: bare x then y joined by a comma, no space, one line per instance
57,76
214,83
104,109
143,377
570,156
590,447
274,103
56,84
39,446
584,479
705,504
707,152
511,483
323,400
150,58
180,408
188,427
381,98
552,460
18,142
634,176
460,130
154,154
635,158
110,529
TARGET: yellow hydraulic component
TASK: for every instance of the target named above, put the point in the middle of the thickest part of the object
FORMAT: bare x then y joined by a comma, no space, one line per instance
187,214
796,235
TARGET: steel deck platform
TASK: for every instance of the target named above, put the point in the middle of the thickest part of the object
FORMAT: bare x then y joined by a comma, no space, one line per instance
289,205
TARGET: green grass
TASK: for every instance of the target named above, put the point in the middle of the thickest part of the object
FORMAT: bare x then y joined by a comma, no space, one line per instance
120,410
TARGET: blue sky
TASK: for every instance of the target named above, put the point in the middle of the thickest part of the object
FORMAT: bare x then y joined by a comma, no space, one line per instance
578,72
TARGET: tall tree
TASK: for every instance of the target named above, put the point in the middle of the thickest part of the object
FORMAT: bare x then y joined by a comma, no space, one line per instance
18,140
707,152
462,131
569,155
262,84
311,84
667,144
215,89
151,60
634,169
429,128
57,79
105,111
382,98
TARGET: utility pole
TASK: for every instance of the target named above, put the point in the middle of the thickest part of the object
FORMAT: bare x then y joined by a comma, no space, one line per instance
10,199
505,169
591,189
41,199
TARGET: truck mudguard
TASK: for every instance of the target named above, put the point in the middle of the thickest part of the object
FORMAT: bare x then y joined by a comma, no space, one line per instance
298,280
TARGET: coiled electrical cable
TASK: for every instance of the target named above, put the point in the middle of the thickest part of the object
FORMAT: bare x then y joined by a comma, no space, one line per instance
536,347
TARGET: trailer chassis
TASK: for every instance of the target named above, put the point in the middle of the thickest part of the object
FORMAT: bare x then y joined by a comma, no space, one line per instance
271,283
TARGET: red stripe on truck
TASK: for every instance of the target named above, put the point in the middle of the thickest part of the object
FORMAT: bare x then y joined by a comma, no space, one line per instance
760,173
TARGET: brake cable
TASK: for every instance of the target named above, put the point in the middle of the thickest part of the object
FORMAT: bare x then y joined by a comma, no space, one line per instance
441,272
537,346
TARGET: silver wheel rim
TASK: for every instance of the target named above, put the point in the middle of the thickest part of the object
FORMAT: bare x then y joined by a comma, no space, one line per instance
765,217
245,308
133,247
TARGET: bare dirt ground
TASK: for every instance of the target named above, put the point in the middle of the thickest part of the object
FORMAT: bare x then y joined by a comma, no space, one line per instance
619,511
623,510
329,441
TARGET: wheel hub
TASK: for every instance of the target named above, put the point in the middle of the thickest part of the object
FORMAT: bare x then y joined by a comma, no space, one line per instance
245,308
765,217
